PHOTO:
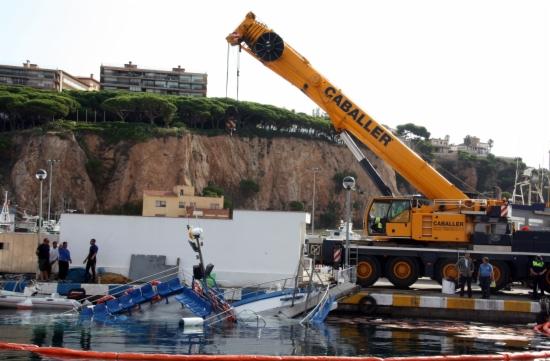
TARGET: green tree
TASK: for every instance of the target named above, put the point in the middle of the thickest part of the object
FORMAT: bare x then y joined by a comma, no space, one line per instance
296,206
331,215
10,105
212,190
44,109
413,131
121,105
248,188
153,107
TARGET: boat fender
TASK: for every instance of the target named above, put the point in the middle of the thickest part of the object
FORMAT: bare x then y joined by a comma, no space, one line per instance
191,322
367,305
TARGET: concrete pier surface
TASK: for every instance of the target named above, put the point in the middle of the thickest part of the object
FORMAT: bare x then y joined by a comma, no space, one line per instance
425,300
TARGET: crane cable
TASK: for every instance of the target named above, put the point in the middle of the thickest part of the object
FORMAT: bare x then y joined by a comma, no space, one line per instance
227,70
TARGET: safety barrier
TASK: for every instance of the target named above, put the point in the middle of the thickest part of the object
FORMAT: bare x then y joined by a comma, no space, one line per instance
60,352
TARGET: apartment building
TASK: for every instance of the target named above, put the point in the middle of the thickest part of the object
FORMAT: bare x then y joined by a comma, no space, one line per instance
182,202
32,75
134,79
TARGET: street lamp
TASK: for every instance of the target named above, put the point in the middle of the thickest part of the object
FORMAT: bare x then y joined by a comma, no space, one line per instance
41,175
51,162
315,170
349,185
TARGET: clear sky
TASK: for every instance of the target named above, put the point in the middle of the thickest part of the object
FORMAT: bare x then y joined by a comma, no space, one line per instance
477,67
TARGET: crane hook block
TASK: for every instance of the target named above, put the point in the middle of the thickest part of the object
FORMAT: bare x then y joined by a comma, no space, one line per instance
269,46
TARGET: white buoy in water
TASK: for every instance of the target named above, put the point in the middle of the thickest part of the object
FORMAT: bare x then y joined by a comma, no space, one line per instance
191,322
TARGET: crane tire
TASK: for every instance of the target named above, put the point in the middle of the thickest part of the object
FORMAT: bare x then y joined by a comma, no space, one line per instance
367,305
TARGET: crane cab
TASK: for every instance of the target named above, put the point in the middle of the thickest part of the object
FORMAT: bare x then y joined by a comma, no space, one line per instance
389,217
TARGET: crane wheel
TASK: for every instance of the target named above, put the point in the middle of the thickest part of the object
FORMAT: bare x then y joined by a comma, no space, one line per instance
367,305
402,271
446,269
269,46
368,271
502,274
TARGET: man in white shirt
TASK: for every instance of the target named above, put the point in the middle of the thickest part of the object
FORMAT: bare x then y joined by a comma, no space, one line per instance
54,258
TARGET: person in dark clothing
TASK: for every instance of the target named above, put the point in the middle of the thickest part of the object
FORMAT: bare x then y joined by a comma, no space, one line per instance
90,261
465,267
538,273
43,253
64,260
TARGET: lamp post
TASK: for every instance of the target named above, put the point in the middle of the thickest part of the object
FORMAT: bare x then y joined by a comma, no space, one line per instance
315,170
349,185
50,162
41,175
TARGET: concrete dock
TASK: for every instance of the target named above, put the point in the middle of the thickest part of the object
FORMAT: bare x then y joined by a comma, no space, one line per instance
425,300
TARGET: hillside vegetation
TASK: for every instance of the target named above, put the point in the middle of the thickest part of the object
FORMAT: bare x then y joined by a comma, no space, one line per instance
122,115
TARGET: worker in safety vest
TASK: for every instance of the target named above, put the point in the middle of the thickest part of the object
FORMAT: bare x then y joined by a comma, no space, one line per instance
538,273
377,225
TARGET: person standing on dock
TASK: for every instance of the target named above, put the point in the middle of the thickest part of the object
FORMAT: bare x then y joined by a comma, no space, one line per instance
486,276
465,267
54,257
43,253
90,261
537,272
64,260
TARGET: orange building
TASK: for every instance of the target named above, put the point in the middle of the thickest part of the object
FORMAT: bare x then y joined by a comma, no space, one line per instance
182,202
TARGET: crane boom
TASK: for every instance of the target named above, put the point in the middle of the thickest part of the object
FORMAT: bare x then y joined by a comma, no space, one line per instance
269,48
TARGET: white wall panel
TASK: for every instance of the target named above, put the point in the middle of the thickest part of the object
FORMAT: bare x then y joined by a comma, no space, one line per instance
252,247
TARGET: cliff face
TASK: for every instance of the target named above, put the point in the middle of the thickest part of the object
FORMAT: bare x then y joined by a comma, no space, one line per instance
93,175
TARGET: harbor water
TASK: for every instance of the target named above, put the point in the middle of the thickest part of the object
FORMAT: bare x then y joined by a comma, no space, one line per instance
341,335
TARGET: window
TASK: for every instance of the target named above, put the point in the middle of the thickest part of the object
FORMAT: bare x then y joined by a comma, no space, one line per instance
214,206
399,211
2,245
182,204
161,204
135,88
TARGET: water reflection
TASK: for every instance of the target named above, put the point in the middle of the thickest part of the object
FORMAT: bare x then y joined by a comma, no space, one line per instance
344,335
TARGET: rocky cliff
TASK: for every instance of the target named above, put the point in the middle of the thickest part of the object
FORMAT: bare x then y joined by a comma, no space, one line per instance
94,175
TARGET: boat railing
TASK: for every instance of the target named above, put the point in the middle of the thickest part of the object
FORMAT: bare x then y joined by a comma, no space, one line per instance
236,293
346,275
321,302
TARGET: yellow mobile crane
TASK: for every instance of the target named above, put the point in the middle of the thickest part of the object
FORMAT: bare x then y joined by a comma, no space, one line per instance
419,236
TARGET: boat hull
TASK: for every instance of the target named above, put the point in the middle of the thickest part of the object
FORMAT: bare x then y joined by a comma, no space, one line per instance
37,303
